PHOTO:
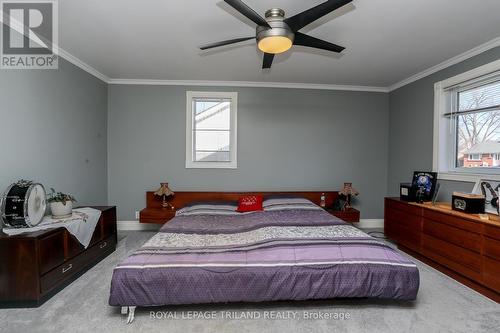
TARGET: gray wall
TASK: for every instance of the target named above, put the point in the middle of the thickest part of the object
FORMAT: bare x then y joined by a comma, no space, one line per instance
287,140
411,126
53,130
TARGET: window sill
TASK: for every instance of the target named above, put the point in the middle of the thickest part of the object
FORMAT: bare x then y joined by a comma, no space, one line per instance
467,177
211,165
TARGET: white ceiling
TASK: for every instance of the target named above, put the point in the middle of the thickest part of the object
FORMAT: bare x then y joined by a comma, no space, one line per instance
386,40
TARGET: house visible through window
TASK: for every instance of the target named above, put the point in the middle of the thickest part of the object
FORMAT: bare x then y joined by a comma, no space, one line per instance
477,118
211,130
467,124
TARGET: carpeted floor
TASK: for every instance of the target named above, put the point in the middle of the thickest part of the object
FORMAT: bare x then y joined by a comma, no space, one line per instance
443,305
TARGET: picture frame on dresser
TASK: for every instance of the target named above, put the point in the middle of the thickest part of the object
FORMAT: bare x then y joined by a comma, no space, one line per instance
488,188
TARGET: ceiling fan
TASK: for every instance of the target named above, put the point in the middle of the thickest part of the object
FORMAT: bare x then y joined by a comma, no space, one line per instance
276,34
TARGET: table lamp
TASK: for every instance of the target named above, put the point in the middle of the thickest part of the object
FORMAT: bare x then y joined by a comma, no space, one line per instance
164,191
347,193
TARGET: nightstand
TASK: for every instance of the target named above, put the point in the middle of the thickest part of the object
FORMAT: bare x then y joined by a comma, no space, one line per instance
349,215
156,215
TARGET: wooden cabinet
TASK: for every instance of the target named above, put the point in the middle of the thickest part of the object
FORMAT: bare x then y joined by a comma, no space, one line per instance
34,266
349,215
461,245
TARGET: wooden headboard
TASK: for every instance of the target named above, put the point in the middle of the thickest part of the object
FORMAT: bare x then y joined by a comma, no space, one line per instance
181,199
154,213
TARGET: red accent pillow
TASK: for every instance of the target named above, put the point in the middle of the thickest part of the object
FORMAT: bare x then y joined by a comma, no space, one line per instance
250,203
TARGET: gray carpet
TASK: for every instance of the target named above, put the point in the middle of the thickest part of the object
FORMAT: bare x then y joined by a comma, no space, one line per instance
443,305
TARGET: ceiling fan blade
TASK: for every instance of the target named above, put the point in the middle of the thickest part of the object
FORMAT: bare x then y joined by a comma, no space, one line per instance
309,41
225,42
299,21
248,12
268,60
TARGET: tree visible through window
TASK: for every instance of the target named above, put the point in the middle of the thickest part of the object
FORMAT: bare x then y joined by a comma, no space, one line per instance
478,126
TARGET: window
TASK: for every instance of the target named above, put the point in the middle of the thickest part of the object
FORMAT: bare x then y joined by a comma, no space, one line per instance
211,129
467,124
474,157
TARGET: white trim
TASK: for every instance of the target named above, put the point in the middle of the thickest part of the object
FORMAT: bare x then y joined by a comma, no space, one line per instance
233,141
447,63
64,54
251,84
440,153
286,85
136,226
81,64
370,223
471,74
438,106
467,177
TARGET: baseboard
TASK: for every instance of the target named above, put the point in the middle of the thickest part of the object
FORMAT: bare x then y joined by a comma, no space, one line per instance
136,226
370,223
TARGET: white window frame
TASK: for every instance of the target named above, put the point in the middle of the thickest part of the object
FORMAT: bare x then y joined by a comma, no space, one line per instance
233,145
441,151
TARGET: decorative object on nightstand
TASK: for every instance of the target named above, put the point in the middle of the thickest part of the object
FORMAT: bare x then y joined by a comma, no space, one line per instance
164,191
346,194
61,204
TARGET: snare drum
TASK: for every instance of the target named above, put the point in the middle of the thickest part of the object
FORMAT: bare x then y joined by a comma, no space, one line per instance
23,204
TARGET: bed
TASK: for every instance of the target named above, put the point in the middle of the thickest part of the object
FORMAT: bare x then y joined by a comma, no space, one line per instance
293,250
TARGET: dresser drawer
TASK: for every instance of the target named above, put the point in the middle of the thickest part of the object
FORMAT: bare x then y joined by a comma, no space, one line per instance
97,235
492,231
73,266
491,273
108,223
407,208
492,248
73,245
466,239
402,234
51,250
53,278
453,221
410,221
456,254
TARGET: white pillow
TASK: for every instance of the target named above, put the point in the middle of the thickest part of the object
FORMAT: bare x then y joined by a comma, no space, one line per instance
274,204
208,209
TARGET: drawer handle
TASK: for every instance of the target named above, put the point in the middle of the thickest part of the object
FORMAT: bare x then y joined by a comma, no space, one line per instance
65,269
103,245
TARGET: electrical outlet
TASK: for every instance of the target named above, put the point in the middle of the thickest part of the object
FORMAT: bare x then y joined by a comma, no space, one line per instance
136,214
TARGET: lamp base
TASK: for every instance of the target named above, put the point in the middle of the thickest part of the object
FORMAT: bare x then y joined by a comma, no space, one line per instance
168,205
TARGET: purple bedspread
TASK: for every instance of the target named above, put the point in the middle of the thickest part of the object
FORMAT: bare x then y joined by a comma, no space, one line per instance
264,256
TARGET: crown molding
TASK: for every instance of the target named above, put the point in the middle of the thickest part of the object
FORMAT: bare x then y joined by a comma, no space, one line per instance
447,63
252,84
81,64
452,61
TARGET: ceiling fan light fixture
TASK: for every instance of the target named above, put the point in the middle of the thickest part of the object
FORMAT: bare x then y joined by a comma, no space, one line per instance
275,44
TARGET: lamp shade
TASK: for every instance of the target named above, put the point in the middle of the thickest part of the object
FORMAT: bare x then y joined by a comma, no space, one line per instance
275,44
164,190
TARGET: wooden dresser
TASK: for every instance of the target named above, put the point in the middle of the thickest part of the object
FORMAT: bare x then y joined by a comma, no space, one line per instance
460,245
35,266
